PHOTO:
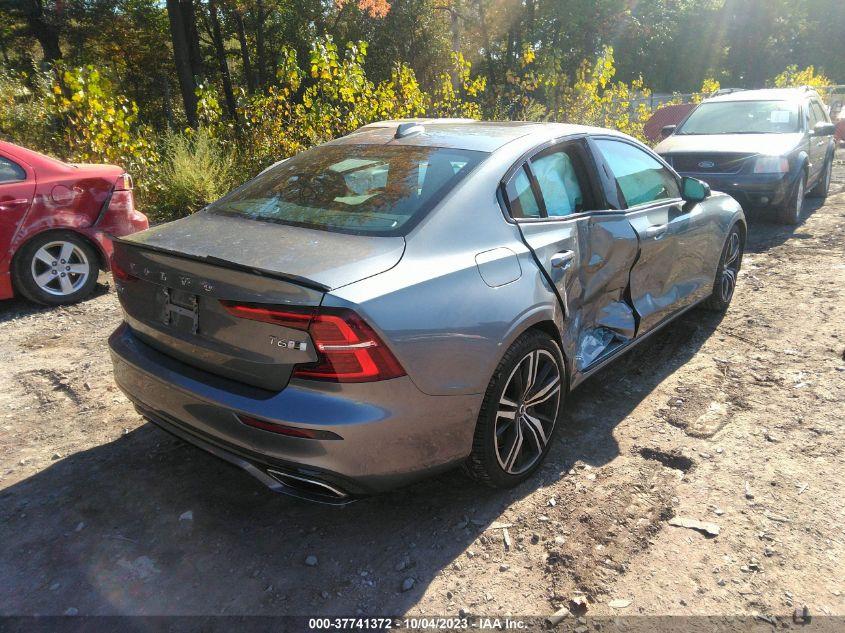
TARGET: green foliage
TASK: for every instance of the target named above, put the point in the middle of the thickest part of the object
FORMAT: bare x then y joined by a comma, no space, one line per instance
595,99
96,125
24,110
196,169
792,77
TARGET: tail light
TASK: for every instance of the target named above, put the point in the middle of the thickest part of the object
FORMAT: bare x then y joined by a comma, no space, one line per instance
124,183
348,349
120,273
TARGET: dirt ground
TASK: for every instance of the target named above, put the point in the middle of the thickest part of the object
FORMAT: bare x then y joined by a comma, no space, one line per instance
735,421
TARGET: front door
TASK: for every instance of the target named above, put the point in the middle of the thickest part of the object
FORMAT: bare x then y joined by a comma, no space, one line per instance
585,250
671,271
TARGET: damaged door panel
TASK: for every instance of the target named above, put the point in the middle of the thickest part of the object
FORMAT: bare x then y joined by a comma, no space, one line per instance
670,271
606,319
585,251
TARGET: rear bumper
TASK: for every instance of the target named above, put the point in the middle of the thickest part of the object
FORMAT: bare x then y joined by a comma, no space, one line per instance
391,432
751,190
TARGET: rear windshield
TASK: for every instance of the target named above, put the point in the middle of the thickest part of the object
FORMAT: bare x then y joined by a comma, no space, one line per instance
743,117
362,189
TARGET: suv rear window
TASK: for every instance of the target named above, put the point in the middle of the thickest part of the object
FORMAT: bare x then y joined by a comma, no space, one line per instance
361,189
743,117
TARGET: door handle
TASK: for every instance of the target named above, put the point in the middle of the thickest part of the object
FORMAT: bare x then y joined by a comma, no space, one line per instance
7,204
562,260
656,231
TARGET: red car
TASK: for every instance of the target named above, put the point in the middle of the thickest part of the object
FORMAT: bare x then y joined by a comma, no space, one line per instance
56,224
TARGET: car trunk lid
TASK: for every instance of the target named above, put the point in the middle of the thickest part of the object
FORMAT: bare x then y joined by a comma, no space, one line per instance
176,281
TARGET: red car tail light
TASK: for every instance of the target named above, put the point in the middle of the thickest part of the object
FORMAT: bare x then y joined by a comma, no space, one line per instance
124,183
120,273
348,349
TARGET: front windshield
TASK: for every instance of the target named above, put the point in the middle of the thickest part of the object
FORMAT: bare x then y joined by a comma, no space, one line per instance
743,117
363,189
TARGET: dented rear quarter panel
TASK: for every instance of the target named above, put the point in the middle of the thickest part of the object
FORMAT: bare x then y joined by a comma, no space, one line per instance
75,198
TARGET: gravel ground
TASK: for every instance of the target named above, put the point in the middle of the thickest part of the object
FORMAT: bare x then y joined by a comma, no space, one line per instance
734,421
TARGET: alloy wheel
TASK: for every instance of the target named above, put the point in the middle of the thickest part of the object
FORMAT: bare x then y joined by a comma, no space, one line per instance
730,267
60,268
527,411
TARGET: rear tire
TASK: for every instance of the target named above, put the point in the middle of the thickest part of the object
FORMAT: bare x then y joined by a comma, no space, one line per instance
791,210
726,275
823,185
520,412
56,268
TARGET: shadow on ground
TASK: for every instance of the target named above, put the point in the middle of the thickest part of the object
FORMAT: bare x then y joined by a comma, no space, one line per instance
105,531
100,530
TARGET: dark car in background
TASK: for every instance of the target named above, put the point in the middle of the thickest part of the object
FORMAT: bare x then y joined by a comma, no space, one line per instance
766,148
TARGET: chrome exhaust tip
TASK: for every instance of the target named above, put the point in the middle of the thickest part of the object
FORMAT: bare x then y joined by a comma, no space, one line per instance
308,488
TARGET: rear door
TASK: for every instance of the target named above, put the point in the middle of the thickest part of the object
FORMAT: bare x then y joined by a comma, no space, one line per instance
673,267
17,188
585,248
819,145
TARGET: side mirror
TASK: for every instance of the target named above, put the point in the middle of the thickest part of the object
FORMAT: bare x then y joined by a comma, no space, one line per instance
668,130
824,129
694,190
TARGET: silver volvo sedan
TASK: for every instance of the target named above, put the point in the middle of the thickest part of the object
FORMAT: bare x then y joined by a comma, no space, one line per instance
411,297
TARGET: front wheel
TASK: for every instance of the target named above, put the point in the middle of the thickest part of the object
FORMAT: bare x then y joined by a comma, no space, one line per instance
56,268
729,264
823,186
520,412
792,209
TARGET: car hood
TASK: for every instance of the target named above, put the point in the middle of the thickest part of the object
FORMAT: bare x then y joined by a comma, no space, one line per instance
770,144
327,259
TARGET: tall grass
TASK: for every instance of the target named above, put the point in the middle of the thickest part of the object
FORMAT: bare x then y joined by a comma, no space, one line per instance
197,169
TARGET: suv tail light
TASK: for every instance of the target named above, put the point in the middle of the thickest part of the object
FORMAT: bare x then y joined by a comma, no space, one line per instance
348,349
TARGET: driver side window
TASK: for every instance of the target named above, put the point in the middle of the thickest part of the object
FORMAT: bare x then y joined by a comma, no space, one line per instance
640,177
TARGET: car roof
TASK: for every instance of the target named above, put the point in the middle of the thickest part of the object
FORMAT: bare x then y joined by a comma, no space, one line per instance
468,134
768,94
33,158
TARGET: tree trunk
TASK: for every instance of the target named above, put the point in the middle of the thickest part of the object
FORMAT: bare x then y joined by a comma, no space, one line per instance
239,26
221,60
486,43
43,29
182,60
259,43
189,19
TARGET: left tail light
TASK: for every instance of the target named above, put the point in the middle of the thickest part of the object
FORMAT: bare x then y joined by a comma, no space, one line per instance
120,273
124,182
348,349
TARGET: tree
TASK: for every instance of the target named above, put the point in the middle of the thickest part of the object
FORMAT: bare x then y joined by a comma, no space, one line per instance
220,51
179,32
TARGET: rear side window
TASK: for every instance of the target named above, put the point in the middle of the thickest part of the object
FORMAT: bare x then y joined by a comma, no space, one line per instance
819,111
521,199
361,189
10,172
558,182
641,177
